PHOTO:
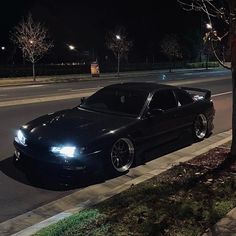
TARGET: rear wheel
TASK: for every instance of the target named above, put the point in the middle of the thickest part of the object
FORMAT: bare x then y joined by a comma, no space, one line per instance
122,155
200,127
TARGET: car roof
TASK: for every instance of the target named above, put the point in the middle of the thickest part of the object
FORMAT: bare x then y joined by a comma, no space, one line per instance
141,86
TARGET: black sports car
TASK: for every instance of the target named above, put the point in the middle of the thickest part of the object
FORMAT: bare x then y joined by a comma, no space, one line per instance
115,126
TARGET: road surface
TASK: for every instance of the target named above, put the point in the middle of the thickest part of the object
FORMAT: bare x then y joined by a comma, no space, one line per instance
17,194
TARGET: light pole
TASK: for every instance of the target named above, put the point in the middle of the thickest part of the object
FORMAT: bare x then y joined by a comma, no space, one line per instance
118,38
210,29
74,52
32,46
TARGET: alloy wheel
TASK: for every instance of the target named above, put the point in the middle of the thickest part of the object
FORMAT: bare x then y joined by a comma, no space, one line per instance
122,155
200,126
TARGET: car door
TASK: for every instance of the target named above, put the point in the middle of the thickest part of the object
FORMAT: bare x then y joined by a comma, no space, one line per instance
162,127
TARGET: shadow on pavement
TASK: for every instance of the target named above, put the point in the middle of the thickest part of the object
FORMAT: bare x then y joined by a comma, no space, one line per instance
50,180
7,167
47,180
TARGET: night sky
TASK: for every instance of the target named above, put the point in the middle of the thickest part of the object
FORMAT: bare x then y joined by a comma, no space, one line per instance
85,23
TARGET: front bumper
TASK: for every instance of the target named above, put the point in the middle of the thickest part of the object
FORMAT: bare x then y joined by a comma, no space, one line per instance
25,158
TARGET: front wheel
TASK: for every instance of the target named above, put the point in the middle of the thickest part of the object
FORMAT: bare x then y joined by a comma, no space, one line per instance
200,127
122,155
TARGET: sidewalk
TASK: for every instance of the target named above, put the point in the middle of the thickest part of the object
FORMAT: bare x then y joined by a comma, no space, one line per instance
17,81
31,222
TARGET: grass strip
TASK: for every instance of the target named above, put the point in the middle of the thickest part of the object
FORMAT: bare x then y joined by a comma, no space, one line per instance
185,200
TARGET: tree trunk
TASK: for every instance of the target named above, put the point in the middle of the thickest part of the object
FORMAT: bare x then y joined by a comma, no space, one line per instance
33,68
232,4
233,145
233,50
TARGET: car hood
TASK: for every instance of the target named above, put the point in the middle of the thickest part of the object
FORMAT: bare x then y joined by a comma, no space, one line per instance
77,126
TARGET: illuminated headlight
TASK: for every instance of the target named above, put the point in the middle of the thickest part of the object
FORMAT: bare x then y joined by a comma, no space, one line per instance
20,138
64,151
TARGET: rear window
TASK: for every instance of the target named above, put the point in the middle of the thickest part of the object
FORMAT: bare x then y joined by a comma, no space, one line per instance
163,99
183,97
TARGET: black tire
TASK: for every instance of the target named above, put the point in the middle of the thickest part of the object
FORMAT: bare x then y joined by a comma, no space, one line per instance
122,155
200,127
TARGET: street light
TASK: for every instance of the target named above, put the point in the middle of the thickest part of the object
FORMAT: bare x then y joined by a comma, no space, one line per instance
3,48
118,37
209,26
71,47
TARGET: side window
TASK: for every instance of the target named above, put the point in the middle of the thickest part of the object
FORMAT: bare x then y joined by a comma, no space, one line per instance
163,99
183,97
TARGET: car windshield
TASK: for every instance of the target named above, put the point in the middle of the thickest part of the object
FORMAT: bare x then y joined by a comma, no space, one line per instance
117,100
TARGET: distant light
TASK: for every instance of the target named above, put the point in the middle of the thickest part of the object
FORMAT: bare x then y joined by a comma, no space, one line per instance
209,26
31,41
163,77
118,37
71,47
3,48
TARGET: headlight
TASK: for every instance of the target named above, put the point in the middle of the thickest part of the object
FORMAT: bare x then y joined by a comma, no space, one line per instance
64,151
20,138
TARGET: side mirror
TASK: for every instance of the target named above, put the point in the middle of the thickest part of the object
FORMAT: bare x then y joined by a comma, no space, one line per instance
155,112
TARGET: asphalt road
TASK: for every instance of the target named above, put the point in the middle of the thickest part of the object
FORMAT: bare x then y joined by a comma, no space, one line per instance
17,195
22,92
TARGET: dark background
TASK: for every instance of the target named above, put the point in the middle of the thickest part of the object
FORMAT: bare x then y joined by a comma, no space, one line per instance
86,23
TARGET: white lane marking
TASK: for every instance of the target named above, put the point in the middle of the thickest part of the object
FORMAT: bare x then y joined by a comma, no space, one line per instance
206,72
34,86
23,87
76,90
43,99
196,81
65,89
221,94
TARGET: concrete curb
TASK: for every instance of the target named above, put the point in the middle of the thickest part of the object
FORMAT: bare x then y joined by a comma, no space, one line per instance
30,222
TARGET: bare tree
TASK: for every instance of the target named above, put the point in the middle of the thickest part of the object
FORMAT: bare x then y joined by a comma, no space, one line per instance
171,49
220,14
32,39
118,42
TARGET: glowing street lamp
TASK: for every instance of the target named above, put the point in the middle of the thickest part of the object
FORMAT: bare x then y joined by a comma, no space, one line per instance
3,48
209,26
71,47
118,37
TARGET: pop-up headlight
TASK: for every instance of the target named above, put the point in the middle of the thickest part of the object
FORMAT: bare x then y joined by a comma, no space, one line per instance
20,138
64,151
